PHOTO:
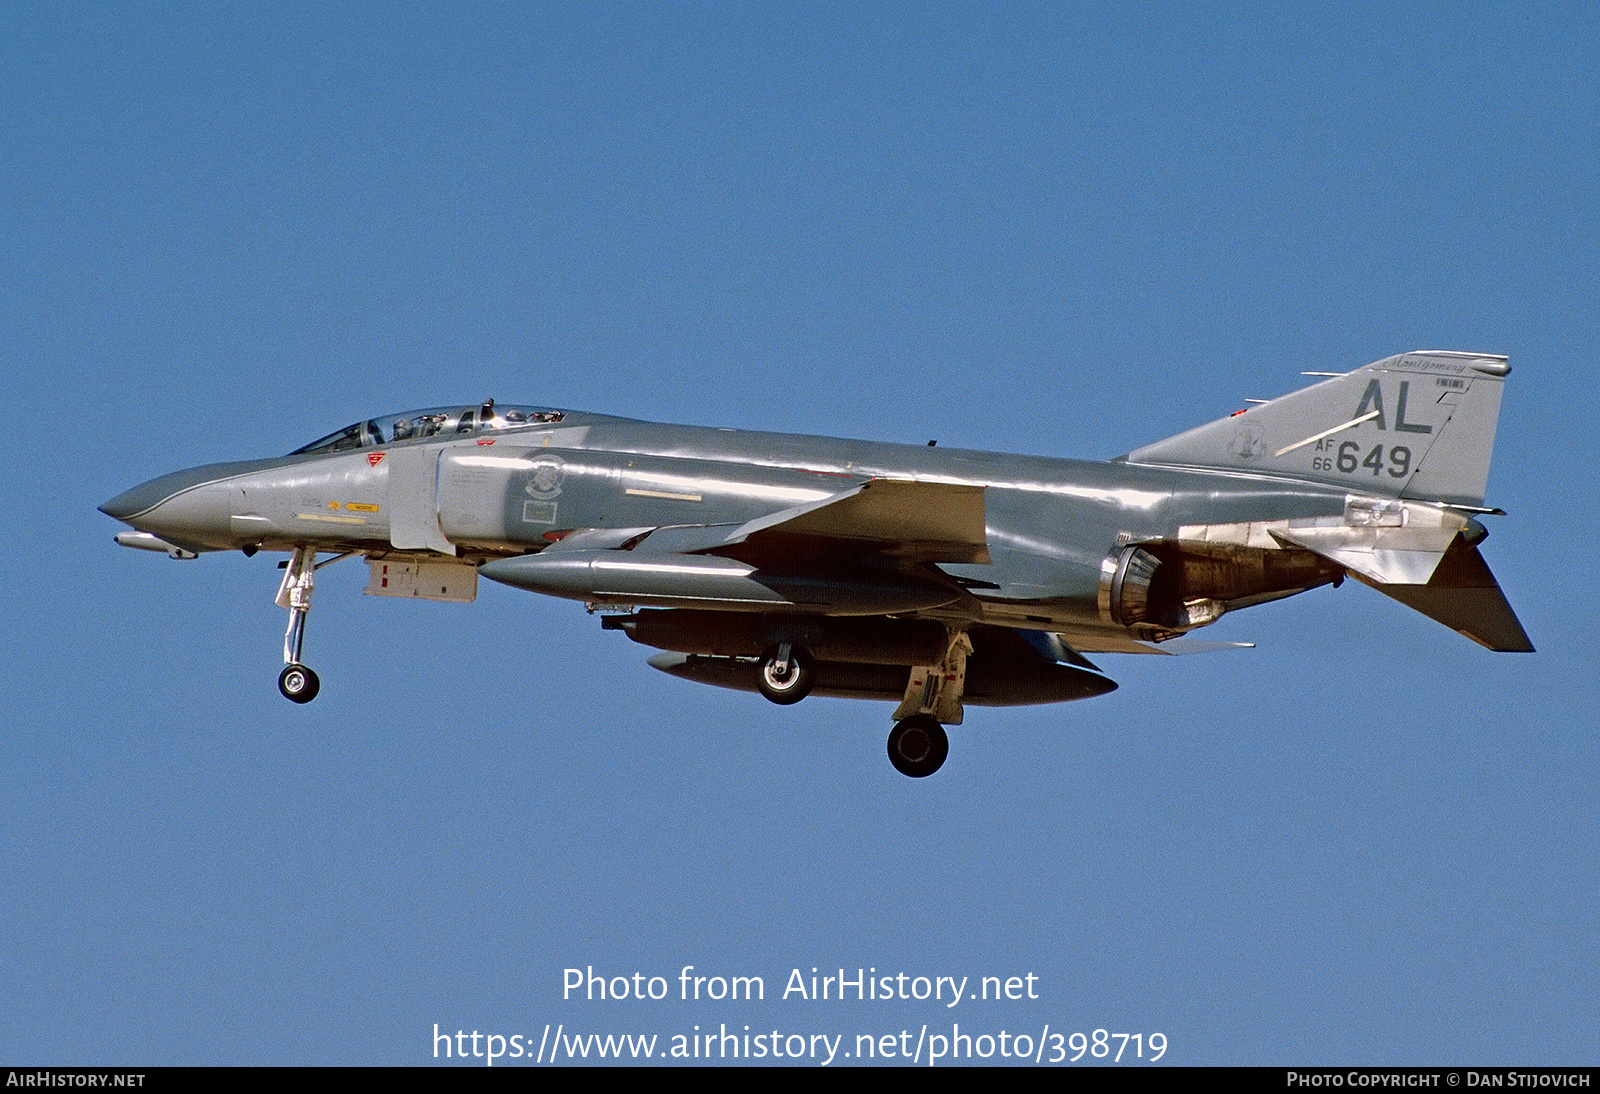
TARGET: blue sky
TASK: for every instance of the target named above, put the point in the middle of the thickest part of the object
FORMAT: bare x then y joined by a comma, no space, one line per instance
1057,229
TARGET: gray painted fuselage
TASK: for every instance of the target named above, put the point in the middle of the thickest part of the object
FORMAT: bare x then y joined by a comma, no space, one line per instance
784,563
1051,523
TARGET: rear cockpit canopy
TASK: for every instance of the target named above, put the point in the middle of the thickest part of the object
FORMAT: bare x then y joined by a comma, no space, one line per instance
435,422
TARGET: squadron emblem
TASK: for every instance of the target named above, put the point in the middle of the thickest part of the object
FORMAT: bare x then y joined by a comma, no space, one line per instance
544,483
1247,444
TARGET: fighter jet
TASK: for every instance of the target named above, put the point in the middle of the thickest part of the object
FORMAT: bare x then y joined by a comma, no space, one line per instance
934,578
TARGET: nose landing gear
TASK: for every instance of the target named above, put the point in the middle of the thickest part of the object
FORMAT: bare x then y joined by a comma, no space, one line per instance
297,682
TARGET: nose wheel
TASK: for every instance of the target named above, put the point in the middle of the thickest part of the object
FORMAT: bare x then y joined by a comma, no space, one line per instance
918,746
298,683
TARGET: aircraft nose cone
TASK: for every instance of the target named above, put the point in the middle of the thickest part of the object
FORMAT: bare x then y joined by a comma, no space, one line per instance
188,508
193,493
124,505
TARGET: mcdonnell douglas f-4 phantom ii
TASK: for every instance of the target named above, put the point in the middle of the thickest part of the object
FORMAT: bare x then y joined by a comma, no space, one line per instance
931,577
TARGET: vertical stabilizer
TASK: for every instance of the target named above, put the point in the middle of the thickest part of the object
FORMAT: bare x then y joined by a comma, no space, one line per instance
1417,425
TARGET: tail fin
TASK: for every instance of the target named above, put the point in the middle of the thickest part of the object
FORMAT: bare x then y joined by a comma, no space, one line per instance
1417,425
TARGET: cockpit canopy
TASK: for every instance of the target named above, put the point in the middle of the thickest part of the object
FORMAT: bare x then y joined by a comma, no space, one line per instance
413,424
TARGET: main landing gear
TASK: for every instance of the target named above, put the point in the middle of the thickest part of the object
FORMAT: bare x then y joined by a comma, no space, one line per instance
918,744
297,682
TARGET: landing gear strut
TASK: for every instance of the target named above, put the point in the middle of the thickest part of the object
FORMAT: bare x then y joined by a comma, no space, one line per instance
918,746
296,682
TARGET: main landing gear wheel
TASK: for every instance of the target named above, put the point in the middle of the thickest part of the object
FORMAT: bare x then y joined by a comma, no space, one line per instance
298,683
918,746
786,675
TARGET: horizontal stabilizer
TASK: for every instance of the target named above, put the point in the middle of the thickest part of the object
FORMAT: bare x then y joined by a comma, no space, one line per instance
1464,596
1188,646
1401,543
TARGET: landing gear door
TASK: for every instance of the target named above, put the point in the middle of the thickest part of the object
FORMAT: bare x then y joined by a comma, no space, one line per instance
414,501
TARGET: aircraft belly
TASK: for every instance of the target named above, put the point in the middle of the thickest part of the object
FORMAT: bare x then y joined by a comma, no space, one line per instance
857,640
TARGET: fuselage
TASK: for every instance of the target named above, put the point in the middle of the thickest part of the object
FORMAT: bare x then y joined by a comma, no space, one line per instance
1054,527
788,564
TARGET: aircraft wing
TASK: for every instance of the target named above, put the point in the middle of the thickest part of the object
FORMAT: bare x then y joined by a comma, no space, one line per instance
916,521
858,552
896,518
